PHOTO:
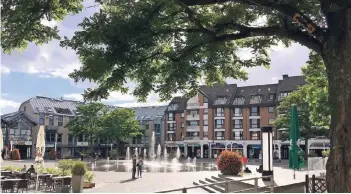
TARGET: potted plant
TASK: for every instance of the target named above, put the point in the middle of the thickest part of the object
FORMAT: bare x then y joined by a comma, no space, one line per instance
88,182
78,171
229,163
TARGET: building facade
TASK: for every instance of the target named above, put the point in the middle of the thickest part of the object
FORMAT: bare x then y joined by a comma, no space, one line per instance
225,117
55,114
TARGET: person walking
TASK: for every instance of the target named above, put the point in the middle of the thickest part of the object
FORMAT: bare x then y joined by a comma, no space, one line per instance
140,167
134,167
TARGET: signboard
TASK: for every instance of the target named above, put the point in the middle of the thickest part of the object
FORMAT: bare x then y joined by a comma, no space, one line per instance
82,143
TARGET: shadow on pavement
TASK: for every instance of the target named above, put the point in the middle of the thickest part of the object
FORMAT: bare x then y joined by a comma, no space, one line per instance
128,180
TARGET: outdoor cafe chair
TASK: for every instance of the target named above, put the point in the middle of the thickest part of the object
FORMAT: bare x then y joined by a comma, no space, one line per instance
67,181
50,184
22,184
7,186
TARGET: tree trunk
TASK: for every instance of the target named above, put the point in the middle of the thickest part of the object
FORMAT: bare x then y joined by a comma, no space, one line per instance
337,57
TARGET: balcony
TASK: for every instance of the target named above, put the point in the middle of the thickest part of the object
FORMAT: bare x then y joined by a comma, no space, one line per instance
51,128
238,126
192,128
193,106
192,117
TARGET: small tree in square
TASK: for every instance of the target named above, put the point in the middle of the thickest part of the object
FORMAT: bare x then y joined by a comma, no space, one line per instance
229,163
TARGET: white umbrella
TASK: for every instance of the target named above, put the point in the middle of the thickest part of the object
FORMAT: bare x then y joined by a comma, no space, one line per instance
1,143
40,150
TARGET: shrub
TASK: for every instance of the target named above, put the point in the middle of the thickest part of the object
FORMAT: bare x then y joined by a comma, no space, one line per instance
9,168
312,154
79,168
89,176
326,153
15,154
67,157
54,171
65,166
113,154
52,154
229,163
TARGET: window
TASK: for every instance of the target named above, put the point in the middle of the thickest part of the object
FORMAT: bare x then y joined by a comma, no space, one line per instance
255,135
59,138
219,135
182,115
270,121
283,95
219,112
173,106
80,138
192,134
24,109
171,116
50,137
147,127
271,97
60,120
206,134
219,124
41,119
239,101
255,123
237,135
205,111
182,124
256,99
255,111
205,100
51,120
238,124
193,112
271,109
205,122
70,139
157,128
171,126
238,112
171,137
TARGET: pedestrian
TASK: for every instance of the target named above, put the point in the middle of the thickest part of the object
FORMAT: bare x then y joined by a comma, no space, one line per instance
134,167
24,169
244,161
140,167
31,169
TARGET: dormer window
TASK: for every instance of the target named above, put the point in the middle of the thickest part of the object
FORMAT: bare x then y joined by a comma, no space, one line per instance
173,106
239,101
63,111
282,95
220,100
255,99
271,97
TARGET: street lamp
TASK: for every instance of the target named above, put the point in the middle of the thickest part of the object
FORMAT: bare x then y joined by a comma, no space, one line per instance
267,147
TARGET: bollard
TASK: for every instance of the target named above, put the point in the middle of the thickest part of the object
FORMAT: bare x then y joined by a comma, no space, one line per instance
256,185
184,190
226,187
272,183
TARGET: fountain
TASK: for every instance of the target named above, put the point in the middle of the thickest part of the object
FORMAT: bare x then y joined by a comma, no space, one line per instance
145,153
152,147
178,153
158,152
128,154
136,153
165,154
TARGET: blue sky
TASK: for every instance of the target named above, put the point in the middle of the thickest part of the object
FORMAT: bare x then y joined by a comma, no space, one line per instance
43,70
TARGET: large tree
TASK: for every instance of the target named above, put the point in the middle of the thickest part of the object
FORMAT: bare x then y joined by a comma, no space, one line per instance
166,45
88,122
311,100
119,125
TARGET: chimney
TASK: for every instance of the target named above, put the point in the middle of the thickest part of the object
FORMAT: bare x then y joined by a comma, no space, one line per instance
285,76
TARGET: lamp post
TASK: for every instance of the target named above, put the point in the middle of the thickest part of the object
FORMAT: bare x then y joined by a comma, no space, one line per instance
267,147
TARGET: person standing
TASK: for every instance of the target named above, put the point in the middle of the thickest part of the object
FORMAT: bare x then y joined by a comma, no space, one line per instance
140,167
134,167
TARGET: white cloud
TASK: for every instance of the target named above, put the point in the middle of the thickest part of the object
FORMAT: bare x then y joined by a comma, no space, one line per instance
4,70
7,106
76,97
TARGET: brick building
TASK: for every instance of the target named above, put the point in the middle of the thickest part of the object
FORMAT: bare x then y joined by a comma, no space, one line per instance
226,117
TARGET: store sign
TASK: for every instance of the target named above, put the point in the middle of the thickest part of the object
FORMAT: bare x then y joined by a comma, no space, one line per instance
82,143
28,143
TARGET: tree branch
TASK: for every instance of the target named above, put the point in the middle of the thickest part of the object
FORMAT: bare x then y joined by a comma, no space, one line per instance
285,9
